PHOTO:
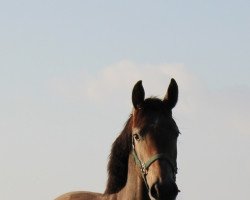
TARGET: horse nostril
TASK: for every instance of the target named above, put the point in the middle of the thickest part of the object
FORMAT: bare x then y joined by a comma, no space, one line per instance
167,190
154,191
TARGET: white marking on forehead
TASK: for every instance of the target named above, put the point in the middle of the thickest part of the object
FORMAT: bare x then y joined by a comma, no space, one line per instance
156,122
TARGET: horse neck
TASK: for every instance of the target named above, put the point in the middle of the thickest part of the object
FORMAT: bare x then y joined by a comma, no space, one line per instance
135,188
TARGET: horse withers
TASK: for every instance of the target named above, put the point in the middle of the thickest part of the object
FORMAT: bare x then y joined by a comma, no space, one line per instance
142,163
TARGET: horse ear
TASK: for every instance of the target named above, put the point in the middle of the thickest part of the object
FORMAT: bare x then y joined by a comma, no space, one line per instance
138,95
171,97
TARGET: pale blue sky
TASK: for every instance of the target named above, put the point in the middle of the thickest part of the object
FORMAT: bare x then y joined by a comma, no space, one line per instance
66,66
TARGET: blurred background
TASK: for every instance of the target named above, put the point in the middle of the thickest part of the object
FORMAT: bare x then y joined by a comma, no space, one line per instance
67,69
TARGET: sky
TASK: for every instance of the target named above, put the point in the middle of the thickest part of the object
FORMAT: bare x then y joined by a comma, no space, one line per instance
67,69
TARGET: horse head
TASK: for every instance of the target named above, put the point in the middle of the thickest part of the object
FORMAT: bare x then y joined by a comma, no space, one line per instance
154,141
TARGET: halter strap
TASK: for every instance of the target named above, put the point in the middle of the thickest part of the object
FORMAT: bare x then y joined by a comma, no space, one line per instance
154,158
144,166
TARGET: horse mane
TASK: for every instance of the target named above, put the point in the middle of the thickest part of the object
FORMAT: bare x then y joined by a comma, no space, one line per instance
118,160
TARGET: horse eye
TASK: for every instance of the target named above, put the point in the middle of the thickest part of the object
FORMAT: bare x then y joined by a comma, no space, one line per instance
136,136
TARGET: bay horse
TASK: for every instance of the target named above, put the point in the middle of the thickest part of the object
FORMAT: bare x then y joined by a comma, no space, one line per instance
142,164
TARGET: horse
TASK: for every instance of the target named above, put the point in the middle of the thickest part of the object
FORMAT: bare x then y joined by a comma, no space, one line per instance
142,164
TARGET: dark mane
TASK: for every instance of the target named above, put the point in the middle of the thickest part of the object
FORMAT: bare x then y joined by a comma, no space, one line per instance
118,161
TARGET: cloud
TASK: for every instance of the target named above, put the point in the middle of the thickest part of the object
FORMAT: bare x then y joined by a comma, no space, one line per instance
118,79
114,83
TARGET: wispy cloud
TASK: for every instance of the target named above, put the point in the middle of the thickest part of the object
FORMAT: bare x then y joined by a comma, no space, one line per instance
115,82
119,78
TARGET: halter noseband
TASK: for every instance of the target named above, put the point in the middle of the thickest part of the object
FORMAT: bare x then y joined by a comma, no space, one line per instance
144,166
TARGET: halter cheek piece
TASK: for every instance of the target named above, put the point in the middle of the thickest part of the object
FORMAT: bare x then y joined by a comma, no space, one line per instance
145,166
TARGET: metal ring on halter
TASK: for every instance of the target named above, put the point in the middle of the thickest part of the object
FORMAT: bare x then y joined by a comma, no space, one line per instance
144,169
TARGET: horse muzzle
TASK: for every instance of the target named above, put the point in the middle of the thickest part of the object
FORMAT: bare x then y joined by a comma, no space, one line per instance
166,190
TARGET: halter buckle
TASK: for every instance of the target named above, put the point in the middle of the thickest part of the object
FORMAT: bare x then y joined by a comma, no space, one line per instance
144,169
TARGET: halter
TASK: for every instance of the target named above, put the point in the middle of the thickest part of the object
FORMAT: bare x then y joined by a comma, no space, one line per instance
144,166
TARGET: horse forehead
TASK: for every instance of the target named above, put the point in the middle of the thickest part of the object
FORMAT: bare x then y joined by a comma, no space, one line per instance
136,130
153,123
